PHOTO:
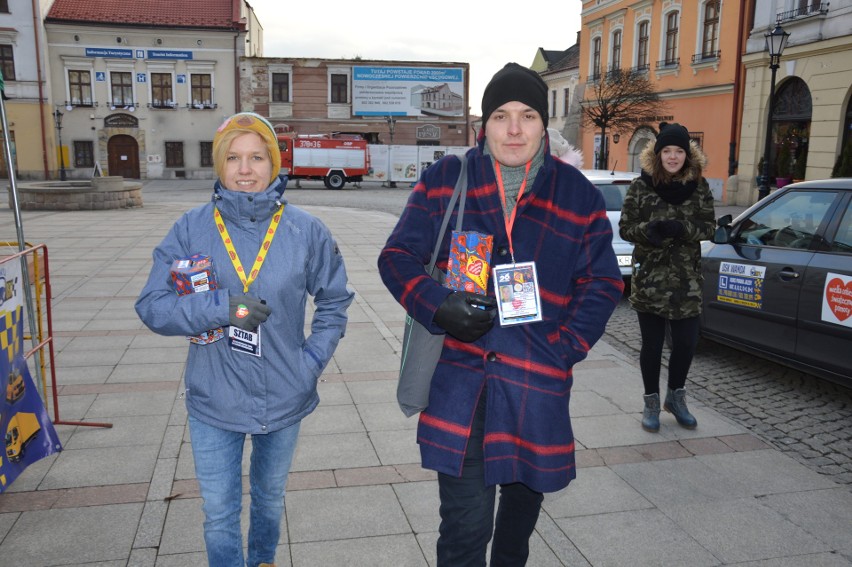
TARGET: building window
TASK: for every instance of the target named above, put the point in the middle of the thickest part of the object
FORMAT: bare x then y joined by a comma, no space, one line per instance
84,154
202,90
339,88
4,8
642,47
206,154
122,88
80,87
616,50
174,154
280,87
161,90
552,103
566,101
596,58
710,41
7,62
671,38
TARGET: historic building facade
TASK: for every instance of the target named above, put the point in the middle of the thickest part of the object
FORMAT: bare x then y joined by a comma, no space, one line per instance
812,121
689,51
140,95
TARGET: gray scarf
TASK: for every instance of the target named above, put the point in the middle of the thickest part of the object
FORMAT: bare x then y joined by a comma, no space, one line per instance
514,176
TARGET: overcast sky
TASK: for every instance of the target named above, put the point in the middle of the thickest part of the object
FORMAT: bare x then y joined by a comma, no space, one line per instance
486,35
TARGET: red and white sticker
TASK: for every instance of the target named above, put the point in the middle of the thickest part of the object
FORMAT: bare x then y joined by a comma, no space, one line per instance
837,299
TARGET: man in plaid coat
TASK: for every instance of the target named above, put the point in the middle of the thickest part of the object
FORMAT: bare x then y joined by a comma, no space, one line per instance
499,403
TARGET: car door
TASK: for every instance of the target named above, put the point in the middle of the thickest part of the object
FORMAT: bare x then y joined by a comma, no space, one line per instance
752,285
825,304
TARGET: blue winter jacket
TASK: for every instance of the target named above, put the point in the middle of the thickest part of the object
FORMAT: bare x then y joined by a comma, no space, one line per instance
232,390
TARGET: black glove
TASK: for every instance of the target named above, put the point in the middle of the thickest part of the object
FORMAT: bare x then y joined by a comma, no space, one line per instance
652,232
671,228
247,312
458,316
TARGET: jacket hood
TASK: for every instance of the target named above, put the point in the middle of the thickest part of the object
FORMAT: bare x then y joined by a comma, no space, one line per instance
697,163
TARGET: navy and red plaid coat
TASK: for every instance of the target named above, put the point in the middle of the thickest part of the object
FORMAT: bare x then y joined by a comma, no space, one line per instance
525,370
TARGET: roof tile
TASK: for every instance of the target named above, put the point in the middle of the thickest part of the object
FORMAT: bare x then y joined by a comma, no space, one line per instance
168,13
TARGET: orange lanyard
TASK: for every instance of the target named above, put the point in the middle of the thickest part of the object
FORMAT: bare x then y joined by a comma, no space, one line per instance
261,254
510,221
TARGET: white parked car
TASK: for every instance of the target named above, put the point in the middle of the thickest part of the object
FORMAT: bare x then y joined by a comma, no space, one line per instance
613,185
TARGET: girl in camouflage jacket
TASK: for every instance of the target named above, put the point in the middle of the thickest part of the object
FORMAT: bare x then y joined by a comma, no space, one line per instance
667,211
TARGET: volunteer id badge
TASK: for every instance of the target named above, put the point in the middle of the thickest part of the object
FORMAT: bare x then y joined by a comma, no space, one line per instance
244,341
518,297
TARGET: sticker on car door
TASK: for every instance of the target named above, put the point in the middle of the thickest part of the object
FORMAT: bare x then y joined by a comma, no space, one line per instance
837,299
741,284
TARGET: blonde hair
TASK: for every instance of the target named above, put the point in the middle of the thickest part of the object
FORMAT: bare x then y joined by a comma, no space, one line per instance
223,146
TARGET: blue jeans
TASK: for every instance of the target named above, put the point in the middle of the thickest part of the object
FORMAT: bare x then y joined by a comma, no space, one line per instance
218,455
467,512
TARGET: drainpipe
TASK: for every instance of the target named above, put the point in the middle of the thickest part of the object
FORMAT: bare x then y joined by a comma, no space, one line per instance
36,25
736,111
236,74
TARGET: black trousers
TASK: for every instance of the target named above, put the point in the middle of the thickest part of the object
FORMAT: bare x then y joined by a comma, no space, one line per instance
467,512
684,340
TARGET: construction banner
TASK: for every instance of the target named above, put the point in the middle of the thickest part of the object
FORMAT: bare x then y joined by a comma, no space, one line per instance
28,432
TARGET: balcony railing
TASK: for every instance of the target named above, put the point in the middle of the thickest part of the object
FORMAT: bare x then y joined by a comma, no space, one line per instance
703,57
644,68
813,9
668,63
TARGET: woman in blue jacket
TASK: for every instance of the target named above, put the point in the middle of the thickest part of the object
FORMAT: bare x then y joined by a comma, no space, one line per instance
260,378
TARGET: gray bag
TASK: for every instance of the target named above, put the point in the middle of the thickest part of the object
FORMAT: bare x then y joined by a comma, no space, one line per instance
421,350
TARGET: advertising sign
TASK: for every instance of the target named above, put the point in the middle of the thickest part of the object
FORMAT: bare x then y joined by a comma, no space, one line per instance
24,423
378,163
741,284
408,91
837,299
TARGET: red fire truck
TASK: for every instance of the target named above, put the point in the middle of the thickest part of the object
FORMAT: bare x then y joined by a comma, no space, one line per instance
334,158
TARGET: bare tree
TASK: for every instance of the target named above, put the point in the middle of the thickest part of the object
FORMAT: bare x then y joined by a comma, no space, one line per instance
620,100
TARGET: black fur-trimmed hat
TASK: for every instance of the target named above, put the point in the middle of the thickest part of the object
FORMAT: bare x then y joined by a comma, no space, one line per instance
515,82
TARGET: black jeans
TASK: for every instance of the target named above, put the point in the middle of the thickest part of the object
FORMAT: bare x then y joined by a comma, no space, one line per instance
467,512
684,340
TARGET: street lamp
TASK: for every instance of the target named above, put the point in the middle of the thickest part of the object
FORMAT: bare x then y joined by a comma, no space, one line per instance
776,41
391,126
57,117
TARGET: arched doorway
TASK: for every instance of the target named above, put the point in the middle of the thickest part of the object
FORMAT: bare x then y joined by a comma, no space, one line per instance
643,136
791,126
123,156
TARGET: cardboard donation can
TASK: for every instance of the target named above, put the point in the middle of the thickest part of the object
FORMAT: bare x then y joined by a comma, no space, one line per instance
195,274
469,264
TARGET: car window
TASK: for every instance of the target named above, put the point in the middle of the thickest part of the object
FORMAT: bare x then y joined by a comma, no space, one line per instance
843,240
613,195
789,221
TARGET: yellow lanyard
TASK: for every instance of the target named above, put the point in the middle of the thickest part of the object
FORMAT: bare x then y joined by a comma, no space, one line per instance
261,254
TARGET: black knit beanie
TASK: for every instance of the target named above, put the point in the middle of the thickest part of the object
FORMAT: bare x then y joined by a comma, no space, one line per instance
672,135
515,82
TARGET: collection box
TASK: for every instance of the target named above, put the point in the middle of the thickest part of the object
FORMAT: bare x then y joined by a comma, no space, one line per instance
195,274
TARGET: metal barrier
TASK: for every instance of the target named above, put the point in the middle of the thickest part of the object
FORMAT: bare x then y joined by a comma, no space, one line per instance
39,266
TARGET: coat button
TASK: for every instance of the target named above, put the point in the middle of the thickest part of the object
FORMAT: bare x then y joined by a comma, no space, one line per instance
502,251
252,219
251,199
263,428
491,356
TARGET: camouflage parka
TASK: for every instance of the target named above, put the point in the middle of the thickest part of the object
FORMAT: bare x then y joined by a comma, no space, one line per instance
666,280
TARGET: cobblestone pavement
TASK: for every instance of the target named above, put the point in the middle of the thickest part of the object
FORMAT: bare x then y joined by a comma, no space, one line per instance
806,417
